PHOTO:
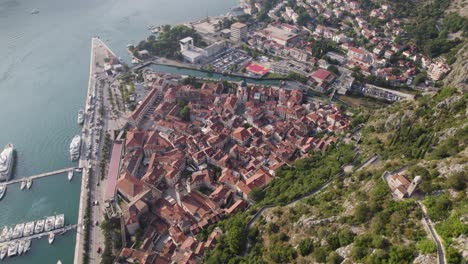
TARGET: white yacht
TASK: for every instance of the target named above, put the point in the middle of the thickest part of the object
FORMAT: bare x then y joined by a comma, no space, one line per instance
75,146
9,234
23,184
70,175
13,249
7,160
29,229
27,245
21,246
39,228
18,231
59,221
49,223
28,183
80,118
3,252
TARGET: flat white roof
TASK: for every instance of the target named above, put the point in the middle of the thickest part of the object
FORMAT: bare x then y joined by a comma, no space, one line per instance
187,39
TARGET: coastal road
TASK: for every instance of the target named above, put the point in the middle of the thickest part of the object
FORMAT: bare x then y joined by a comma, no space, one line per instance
98,53
97,187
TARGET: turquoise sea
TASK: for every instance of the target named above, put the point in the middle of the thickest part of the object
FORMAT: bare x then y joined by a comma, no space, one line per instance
44,65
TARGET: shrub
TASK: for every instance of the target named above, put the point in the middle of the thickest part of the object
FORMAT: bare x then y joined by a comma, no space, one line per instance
305,247
426,246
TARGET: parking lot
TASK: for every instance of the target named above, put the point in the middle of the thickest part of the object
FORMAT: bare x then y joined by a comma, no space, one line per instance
230,58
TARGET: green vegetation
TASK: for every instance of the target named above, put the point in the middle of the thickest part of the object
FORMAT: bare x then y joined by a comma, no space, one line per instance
421,135
111,232
167,44
427,246
423,28
297,77
307,175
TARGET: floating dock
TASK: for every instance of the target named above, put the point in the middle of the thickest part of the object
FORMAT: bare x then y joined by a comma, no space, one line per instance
42,175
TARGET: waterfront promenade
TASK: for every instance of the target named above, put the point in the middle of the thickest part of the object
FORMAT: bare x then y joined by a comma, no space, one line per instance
91,185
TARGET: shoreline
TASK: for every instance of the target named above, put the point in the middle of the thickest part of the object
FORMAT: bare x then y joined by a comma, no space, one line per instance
83,192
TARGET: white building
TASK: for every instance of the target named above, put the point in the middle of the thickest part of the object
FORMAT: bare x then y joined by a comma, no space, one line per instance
238,32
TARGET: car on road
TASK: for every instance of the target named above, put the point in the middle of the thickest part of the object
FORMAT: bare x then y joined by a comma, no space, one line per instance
99,250
96,223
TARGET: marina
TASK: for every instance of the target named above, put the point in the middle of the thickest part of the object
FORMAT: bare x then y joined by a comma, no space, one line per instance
17,240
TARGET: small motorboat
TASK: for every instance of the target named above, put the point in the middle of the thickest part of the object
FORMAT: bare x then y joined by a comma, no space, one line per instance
51,238
23,185
34,11
59,262
28,183
2,190
70,175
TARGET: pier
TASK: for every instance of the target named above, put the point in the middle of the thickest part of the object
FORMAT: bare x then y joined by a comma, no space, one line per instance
38,176
40,235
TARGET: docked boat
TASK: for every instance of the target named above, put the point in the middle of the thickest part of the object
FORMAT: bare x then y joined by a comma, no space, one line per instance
13,249
75,148
78,169
21,246
49,223
27,245
3,252
18,231
51,238
23,184
59,221
7,160
39,228
80,118
4,232
2,190
9,234
28,183
28,229
70,175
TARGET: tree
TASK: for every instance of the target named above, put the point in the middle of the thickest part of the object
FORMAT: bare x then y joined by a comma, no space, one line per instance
453,257
458,181
185,113
358,252
305,247
401,254
320,254
334,258
345,237
256,194
235,238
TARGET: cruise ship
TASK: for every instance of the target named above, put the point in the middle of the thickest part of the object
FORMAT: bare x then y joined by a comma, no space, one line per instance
7,161
75,148
80,118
